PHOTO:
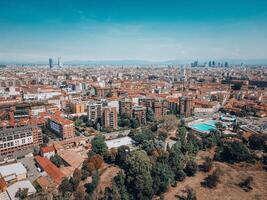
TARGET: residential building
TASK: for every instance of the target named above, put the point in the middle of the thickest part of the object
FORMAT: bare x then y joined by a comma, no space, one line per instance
139,113
94,111
125,107
19,139
109,117
64,128
186,106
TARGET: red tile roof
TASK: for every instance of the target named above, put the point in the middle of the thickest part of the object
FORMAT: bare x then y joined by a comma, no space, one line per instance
50,169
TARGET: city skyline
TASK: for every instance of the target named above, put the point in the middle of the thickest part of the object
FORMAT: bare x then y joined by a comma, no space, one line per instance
140,30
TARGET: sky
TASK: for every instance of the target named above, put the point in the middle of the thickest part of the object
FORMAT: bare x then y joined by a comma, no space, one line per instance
153,30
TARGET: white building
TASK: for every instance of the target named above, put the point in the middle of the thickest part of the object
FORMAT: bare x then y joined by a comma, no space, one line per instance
13,172
116,143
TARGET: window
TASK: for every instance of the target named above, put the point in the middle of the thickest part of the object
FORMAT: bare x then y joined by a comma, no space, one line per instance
9,138
29,134
23,141
16,137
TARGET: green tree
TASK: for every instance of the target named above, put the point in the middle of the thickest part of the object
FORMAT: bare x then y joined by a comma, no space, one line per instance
56,160
75,180
121,156
176,159
212,180
257,142
90,187
182,134
99,146
120,182
150,115
22,193
237,86
109,94
134,123
138,175
163,176
233,152
143,136
78,122
191,168
45,139
65,186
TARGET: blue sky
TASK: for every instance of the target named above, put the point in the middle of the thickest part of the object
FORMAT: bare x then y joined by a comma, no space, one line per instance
34,30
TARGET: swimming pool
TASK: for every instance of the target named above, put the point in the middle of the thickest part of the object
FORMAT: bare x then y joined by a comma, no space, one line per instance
204,127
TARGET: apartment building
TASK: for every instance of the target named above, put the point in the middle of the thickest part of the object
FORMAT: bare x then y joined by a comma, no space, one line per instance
139,113
64,128
186,106
110,117
94,111
19,139
125,107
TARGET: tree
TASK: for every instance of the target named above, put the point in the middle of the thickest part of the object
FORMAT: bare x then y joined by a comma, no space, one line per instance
191,168
212,180
219,125
256,142
75,180
99,146
45,139
111,193
163,176
109,94
176,159
122,153
111,155
90,187
85,174
90,123
190,194
56,159
93,163
246,184
65,186
237,86
181,135
180,175
144,135
120,182
124,122
79,193
150,115
134,123
233,152
78,122
207,165
169,122
22,193
138,175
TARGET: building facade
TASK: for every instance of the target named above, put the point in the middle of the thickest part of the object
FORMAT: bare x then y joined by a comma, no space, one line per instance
64,128
19,139
186,106
110,118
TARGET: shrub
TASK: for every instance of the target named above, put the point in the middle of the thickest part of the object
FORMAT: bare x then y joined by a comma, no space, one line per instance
191,168
212,180
246,184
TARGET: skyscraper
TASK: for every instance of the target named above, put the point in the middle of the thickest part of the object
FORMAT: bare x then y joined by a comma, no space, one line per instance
59,62
50,63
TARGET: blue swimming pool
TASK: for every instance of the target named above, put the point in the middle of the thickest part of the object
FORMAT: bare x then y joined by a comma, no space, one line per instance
204,127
